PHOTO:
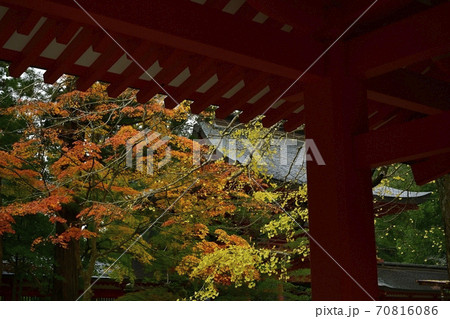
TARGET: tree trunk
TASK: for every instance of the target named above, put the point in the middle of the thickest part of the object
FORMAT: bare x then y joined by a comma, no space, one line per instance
16,276
89,271
87,289
444,197
66,281
280,291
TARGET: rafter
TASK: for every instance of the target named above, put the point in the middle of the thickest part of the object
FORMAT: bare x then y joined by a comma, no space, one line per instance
34,48
294,121
229,76
8,25
303,16
69,29
402,116
70,55
28,23
402,43
254,83
189,28
411,91
200,73
171,64
277,89
109,57
431,168
146,55
382,113
284,112
410,141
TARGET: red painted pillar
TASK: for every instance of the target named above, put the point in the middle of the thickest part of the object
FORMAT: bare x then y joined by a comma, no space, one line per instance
339,192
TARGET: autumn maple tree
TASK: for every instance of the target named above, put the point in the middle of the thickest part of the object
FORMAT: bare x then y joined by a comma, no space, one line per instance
70,167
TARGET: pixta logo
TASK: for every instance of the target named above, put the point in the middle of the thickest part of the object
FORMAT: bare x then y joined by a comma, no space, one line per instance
284,152
145,144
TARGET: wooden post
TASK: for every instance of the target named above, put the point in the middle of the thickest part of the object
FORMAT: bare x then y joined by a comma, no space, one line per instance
339,192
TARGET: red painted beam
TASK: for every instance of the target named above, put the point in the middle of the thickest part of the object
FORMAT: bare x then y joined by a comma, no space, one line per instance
351,9
384,121
104,43
254,83
413,39
411,141
277,89
388,116
45,63
184,25
442,69
431,168
104,62
283,112
199,75
384,113
411,91
304,17
401,102
146,54
229,76
70,55
34,48
402,116
217,4
299,97
69,29
172,64
29,23
294,121
8,25
385,209
171,71
246,12
22,21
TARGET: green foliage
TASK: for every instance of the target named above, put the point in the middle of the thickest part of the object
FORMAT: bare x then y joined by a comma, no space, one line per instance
267,290
415,236
35,266
154,294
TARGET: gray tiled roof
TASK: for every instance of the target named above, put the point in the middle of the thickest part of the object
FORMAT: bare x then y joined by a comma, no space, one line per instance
404,276
288,162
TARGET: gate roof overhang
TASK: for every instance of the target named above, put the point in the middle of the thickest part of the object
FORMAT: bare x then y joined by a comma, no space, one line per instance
232,53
